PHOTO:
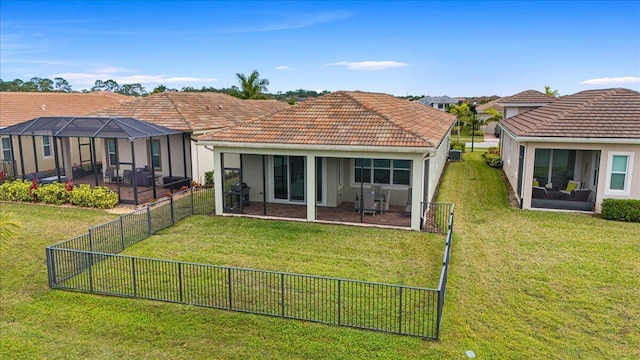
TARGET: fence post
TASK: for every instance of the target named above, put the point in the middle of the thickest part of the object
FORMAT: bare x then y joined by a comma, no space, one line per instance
91,239
282,294
90,270
173,220
133,277
400,314
339,302
193,208
230,289
180,282
51,267
148,220
122,232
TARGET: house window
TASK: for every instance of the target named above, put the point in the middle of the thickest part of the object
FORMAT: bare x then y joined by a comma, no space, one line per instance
155,154
555,166
619,173
382,171
111,152
46,146
6,149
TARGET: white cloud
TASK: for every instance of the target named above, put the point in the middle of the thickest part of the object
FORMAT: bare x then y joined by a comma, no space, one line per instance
283,67
90,78
612,80
369,65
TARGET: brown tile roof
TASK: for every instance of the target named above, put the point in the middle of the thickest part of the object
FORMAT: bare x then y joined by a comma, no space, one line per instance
346,119
527,97
17,107
491,104
194,111
605,113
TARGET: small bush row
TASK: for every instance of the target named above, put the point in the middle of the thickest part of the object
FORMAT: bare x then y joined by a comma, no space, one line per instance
621,210
58,193
492,157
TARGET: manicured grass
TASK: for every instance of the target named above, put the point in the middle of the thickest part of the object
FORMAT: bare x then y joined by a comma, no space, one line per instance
368,254
522,284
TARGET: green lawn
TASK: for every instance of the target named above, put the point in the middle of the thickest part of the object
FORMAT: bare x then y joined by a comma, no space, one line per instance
523,284
368,254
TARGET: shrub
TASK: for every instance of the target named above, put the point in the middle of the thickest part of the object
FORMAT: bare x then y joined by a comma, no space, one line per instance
55,193
100,197
208,179
17,190
621,210
493,160
457,146
478,133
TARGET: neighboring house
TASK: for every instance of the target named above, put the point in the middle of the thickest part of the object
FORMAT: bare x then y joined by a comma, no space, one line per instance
354,140
195,113
438,102
573,151
38,156
483,115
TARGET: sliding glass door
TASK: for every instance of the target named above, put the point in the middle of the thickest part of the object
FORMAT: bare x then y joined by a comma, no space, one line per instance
288,178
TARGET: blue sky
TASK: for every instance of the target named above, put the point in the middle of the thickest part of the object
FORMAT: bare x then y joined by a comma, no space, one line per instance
469,48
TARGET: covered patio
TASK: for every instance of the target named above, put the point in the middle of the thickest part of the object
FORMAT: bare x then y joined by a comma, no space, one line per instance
137,159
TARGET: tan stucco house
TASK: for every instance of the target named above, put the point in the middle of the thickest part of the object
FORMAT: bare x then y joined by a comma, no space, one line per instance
325,152
574,151
194,113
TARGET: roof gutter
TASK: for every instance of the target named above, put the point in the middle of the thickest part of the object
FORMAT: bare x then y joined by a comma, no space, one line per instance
571,140
350,148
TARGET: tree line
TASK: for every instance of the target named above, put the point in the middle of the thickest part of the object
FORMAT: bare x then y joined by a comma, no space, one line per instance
250,87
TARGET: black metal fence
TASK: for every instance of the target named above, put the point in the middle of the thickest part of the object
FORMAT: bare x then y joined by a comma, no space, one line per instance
90,263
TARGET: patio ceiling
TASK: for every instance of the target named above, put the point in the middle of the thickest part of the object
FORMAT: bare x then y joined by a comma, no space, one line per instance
90,127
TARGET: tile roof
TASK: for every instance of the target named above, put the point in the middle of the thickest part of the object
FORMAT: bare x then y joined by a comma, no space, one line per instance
527,97
605,113
491,104
344,118
428,100
17,107
194,111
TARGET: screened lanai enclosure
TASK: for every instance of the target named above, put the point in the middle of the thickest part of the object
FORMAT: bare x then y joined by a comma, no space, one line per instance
138,160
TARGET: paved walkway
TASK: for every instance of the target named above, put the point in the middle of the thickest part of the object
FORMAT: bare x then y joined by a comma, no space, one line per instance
489,141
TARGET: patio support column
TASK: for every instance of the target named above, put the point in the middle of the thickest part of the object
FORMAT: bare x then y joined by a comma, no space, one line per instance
417,172
184,159
264,186
133,173
94,161
169,158
55,157
218,177
35,152
153,168
311,187
21,155
13,156
65,143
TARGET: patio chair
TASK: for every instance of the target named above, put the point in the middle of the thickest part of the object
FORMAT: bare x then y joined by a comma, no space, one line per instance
578,195
539,193
385,204
407,205
110,174
127,177
572,185
369,204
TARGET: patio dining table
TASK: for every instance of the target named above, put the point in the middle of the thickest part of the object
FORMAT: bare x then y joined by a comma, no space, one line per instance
52,179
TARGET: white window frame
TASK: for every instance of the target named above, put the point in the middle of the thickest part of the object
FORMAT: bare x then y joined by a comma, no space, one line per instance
628,175
47,146
4,150
109,153
372,168
152,155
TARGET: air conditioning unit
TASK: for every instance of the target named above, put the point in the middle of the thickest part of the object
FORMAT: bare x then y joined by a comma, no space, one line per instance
455,155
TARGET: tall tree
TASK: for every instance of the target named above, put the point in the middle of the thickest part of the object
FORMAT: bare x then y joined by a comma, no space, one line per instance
252,87
549,92
62,85
132,90
461,111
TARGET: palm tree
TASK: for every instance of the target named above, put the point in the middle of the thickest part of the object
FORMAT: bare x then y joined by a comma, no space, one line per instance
252,87
549,92
461,111
8,227
495,116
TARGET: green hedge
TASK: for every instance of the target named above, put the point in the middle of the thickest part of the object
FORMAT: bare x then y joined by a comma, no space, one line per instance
493,160
457,146
58,193
621,210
